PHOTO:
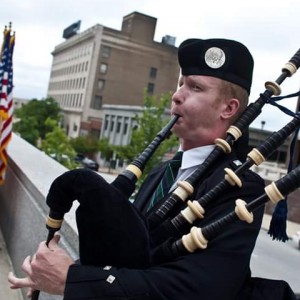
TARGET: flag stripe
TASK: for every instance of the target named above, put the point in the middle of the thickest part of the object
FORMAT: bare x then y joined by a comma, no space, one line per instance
6,100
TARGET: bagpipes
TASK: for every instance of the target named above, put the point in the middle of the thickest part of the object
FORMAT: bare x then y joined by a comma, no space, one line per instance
196,209
106,238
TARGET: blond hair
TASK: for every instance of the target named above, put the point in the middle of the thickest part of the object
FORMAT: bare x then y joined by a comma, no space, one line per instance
231,90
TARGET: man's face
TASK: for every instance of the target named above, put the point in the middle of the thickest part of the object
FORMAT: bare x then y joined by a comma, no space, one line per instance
197,101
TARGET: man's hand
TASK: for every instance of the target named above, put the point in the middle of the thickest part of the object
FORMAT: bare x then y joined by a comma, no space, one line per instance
46,270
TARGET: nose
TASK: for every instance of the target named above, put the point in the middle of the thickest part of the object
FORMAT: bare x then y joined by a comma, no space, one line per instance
178,96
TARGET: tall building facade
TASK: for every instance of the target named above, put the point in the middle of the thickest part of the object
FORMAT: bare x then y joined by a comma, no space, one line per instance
102,66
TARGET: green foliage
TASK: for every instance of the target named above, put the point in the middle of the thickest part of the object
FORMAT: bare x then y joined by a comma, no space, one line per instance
106,149
57,145
28,129
31,119
149,123
87,145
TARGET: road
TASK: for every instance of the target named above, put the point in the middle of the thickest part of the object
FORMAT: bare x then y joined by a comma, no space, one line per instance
276,260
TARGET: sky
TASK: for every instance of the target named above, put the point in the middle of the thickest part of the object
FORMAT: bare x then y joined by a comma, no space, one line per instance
269,28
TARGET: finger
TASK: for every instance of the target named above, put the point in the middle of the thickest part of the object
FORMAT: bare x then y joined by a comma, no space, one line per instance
16,282
26,266
11,277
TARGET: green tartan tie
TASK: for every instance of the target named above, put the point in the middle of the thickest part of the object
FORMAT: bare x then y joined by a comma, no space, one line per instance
167,180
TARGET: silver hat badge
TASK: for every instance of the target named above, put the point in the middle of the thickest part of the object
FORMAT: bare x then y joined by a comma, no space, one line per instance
214,57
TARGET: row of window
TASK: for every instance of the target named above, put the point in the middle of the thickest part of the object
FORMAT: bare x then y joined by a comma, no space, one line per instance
76,83
109,125
105,52
69,100
73,69
75,54
150,86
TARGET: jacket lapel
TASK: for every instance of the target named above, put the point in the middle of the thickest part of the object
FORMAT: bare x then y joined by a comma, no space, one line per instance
148,187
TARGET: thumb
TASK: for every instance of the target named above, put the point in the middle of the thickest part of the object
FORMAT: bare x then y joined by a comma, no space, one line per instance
54,242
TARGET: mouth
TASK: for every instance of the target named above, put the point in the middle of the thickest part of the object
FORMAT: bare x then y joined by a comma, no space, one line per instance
178,121
175,113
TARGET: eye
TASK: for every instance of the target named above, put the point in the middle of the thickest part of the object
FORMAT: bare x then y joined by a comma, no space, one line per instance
197,87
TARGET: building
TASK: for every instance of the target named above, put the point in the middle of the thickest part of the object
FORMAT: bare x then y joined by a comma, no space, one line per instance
103,66
19,102
280,156
118,123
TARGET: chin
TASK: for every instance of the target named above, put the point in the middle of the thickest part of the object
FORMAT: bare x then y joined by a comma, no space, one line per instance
178,131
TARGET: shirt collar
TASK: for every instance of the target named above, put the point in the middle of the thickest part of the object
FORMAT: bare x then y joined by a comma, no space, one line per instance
195,156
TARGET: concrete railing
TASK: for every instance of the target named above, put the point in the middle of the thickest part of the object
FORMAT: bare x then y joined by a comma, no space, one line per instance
23,209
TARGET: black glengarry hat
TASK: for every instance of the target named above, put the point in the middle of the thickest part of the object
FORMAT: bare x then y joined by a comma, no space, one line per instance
222,58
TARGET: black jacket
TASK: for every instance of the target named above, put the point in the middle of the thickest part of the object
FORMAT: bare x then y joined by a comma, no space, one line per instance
218,272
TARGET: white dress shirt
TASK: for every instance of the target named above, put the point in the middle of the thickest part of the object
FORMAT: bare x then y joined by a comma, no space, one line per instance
191,159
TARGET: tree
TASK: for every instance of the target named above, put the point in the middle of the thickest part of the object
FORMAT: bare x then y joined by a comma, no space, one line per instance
31,119
87,145
106,149
149,123
57,145
28,129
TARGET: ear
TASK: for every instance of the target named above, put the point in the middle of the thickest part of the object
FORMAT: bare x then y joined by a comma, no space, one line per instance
231,106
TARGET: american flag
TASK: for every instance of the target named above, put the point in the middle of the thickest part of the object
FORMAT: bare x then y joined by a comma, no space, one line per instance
6,100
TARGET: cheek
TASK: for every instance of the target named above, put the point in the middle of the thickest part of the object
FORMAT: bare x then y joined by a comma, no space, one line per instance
204,116
198,111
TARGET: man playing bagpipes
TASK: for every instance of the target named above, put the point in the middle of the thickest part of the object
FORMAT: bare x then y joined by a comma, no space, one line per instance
213,91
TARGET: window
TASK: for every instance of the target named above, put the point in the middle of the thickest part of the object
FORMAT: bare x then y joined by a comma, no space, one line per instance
105,51
153,72
150,88
106,124
119,126
101,83
112,124
103,68
97,103
125,128
80,101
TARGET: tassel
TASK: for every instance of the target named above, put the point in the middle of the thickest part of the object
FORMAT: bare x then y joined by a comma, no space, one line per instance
277,228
